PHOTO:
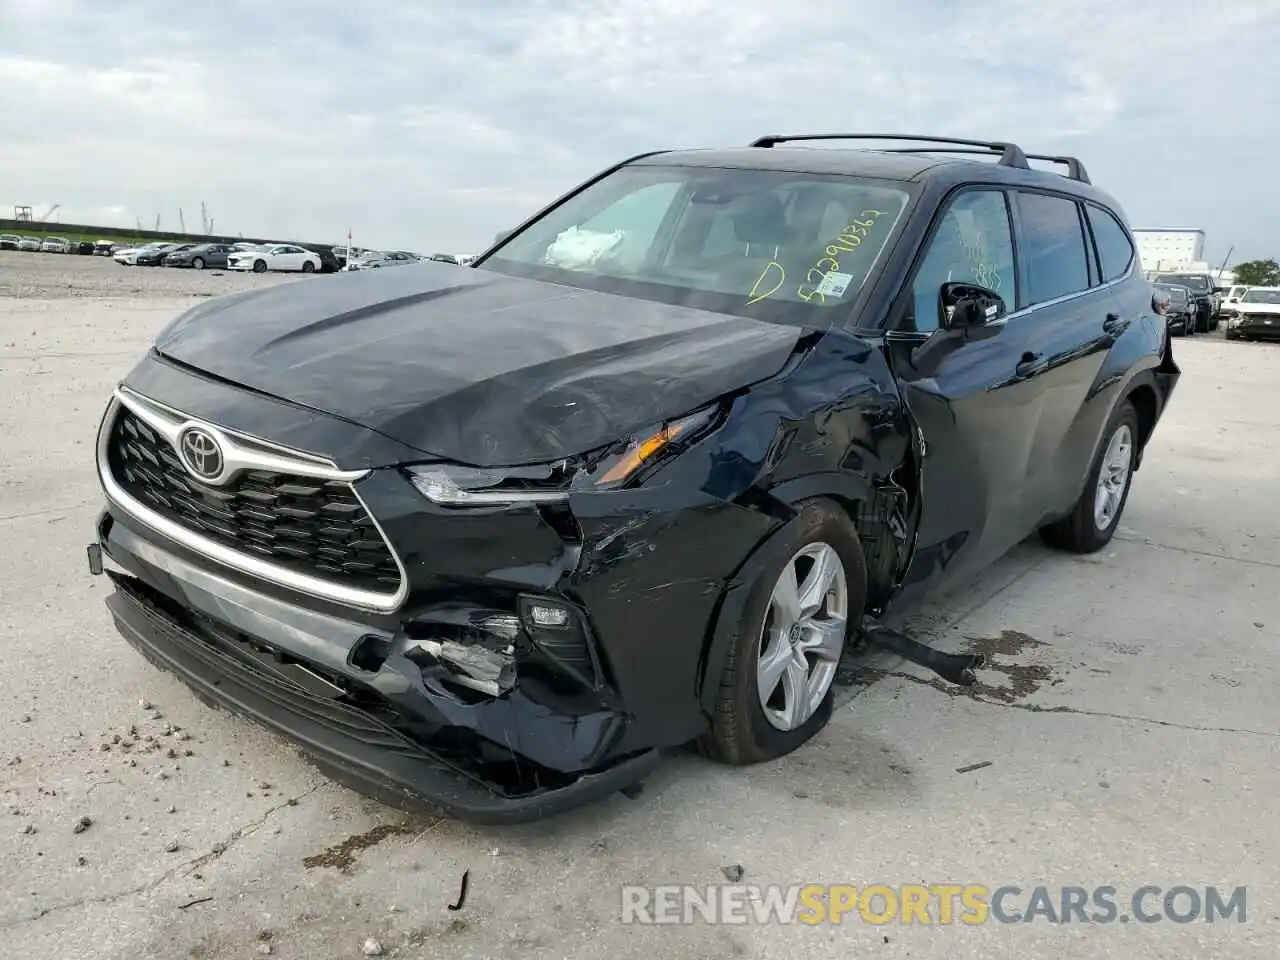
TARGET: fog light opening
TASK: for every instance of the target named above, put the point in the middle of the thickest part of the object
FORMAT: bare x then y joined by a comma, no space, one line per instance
370,653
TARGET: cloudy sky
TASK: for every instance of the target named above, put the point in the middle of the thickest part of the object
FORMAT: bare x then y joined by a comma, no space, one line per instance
431,125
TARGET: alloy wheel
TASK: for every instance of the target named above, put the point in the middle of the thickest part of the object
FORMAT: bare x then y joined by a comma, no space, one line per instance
1113,477
802,637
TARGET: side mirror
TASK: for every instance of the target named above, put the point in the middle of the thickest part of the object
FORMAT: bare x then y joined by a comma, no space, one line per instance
967,313
970,310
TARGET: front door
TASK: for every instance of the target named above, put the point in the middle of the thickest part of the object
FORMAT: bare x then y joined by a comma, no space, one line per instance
977,414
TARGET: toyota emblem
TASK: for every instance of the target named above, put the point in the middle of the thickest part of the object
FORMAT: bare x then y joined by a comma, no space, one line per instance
201,453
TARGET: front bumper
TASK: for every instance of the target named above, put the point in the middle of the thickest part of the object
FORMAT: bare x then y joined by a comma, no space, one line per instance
530,716
1260,327
360,733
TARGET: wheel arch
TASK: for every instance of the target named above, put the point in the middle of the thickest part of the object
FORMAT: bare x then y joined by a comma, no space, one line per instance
850,496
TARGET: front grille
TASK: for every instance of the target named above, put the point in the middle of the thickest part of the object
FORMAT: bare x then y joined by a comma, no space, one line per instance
1261,317
311,526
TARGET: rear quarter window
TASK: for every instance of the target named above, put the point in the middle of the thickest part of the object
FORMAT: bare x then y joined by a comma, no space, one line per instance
1115,249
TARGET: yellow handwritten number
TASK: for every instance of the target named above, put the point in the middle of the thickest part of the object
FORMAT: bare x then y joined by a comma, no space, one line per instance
755,296
847,241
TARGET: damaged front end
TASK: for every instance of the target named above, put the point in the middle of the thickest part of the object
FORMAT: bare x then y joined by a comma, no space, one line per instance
447,653
499,642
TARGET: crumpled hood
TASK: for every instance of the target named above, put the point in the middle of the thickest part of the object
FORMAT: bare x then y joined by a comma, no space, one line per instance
474,366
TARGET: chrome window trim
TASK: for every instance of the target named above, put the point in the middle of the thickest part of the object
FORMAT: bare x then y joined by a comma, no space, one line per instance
1025,311
247,453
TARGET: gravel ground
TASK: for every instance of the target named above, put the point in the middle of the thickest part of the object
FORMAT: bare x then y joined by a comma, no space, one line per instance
1128,718
51,276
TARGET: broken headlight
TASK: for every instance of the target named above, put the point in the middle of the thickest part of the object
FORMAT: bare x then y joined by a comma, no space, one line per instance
458,486
651,447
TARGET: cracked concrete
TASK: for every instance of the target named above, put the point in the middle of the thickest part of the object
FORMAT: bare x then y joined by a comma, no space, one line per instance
1128,714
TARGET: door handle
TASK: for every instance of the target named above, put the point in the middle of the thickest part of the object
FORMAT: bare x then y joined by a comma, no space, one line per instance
1029,364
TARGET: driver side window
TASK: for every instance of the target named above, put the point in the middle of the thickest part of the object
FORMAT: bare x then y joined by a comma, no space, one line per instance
972,244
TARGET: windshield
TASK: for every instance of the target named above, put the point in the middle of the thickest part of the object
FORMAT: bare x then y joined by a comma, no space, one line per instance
1261,296
768,244
1198,283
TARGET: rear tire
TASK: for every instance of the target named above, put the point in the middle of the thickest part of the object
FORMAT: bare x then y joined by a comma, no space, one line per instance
308,267
1093,520
745,727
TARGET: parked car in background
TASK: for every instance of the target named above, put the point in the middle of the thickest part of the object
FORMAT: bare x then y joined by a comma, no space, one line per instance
55,245
445,258
1229,298
29,245
329,261
1179,314
126,256
1255,315
281,256
9,241
1203,297
85,248
200,255
394,258
104,248
495,539
154,256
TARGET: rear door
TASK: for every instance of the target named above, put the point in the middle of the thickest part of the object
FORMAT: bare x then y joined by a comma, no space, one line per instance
1071,321
977,414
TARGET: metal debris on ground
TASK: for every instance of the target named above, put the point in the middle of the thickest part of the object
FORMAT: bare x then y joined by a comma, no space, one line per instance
462,894
973,766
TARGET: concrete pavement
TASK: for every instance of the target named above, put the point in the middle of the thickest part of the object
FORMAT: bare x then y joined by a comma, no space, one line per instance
1130,717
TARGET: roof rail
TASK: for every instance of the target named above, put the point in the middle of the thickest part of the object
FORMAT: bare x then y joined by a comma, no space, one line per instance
1075,169
1011,154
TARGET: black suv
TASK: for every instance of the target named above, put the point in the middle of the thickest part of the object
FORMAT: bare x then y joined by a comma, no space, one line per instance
489,539
1204,297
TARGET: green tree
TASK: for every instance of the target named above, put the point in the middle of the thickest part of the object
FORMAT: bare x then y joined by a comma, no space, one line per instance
1258,273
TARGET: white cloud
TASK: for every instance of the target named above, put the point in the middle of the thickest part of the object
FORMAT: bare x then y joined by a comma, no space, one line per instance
430,124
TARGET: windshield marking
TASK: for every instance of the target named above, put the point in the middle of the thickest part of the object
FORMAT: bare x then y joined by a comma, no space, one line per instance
754,296
851,238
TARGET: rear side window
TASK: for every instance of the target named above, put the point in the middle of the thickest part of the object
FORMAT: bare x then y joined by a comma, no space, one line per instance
1054,247
1115,250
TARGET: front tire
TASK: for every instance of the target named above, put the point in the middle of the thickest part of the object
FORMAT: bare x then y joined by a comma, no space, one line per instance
776,691
197,263
1094,519
259,266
